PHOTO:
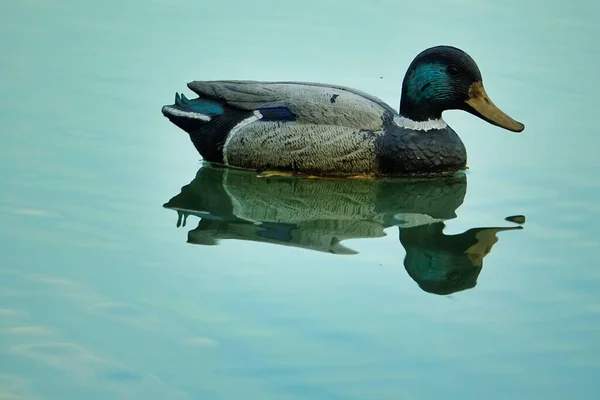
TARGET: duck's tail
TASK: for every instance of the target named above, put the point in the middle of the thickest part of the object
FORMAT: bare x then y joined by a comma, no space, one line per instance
197,111
207,121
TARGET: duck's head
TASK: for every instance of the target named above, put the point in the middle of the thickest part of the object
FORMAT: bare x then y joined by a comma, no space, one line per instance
446,78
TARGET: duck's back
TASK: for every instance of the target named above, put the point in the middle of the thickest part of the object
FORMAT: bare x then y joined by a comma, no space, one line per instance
306,102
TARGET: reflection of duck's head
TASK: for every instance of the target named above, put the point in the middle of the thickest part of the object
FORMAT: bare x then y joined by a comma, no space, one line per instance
444,264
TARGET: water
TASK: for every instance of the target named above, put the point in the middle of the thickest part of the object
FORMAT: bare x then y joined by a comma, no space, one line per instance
331,297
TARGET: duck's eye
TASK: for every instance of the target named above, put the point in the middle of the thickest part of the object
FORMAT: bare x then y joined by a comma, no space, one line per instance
452,70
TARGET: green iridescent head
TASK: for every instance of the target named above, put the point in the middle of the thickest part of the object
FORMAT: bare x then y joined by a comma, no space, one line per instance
446,78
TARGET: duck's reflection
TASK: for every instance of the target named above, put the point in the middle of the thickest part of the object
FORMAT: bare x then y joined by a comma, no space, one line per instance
318,214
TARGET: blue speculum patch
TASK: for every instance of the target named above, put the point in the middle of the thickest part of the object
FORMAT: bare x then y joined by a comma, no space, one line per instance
277,114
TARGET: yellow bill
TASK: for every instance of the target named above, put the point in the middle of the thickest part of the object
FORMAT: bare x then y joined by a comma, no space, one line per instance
488,111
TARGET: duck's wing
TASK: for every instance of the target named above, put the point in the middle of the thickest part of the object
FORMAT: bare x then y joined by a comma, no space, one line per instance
304,102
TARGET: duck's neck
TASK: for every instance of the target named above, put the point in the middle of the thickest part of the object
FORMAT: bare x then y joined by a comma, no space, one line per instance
435,124
421,113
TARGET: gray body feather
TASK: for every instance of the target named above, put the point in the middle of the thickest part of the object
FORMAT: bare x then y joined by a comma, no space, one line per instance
302,148
311,102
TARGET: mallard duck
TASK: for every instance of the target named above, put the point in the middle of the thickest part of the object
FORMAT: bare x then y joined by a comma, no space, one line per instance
320,129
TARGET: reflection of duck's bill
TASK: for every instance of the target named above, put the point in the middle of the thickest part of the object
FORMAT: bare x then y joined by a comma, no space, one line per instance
479,104
486,238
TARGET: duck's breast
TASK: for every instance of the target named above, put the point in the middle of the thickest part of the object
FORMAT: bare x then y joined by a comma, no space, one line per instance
407,151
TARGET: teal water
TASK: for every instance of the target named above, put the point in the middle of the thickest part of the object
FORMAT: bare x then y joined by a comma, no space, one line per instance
278,288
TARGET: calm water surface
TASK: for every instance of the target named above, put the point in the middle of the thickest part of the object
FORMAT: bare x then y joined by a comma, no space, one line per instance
131,271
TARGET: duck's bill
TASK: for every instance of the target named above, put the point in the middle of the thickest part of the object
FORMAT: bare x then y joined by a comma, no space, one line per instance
480,104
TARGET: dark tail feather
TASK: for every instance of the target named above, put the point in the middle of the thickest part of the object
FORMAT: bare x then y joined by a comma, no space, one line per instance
197,111
207,121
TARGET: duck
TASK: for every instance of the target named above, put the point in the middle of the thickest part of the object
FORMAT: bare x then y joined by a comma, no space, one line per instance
310,128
